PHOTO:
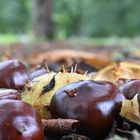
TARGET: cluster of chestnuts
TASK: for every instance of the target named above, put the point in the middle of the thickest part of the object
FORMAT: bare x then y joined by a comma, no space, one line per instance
31,102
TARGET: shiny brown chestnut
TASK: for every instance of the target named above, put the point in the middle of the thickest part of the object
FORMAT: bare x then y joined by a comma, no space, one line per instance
131,88
13,74
9,94
19,121
38,72
94,104
131,105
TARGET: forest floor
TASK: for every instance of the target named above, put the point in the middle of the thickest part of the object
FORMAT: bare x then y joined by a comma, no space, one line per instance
35,53
67,52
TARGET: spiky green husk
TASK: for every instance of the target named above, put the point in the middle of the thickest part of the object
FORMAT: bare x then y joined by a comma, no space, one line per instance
32,94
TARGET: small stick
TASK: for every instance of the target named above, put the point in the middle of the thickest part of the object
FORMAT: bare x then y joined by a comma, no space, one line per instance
60,126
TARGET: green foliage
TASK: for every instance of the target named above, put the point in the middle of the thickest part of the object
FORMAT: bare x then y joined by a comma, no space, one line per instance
97,18
66,14
90,18
14,16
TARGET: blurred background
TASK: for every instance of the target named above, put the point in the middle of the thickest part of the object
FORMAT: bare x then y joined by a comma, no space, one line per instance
62,19
82,23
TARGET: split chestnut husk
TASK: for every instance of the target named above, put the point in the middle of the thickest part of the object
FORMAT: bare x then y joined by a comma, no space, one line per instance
41,89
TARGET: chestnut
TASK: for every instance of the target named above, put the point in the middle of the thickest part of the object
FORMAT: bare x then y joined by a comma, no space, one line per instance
19,121
38,72
130,89
131,105
9,94
13,74
94,104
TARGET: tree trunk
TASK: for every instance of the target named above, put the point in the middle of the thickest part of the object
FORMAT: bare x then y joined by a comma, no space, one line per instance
42,17
79,18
